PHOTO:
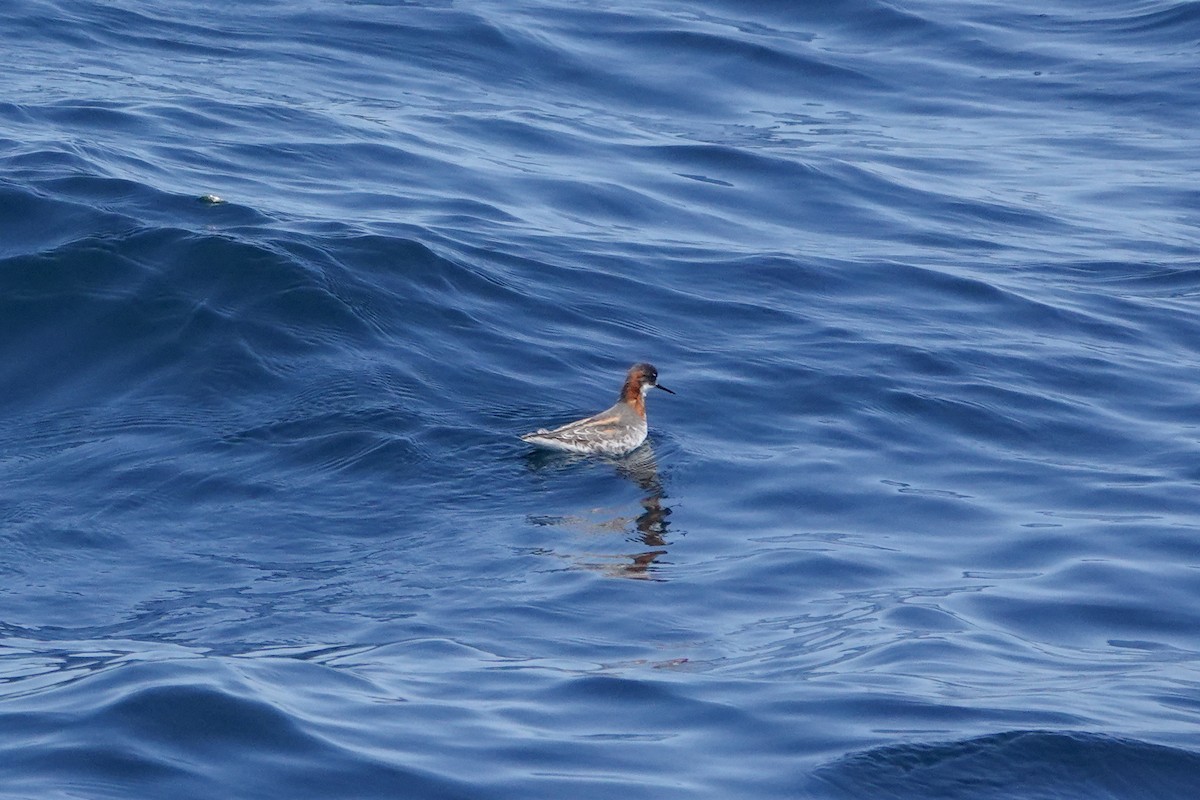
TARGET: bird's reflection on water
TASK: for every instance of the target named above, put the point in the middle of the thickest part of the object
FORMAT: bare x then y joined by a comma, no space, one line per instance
649,528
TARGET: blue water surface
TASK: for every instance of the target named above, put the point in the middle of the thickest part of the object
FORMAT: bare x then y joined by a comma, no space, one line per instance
280,283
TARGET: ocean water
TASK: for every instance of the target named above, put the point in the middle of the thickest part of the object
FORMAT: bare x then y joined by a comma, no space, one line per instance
922,520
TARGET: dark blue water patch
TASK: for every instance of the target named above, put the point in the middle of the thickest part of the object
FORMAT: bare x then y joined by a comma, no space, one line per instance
1177,23
30,222
745,65
119,28
108,118
861,18
1027,764
1155,281
168,729
145,305
475,40
1041,612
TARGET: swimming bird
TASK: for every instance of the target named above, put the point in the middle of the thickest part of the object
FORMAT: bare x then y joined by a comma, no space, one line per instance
612,432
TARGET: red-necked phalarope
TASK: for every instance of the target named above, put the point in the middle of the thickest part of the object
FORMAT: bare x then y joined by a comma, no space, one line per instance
614,432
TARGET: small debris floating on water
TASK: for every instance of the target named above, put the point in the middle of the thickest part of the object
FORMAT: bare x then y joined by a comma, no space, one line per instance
211,199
